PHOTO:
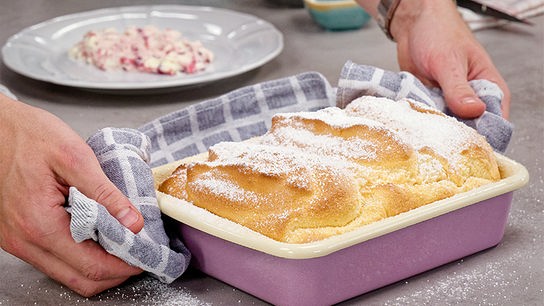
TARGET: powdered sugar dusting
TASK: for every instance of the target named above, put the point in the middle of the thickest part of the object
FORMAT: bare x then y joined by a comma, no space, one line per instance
334,117
293,163
323,145
430,170
335,141
272,161
419,129
375,152
224,187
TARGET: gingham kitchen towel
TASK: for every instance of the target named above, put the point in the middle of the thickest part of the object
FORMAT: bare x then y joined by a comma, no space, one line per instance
235,116
358,80
123,155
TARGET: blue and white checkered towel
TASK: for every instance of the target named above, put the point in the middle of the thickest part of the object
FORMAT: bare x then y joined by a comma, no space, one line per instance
123,155
235,116
358,80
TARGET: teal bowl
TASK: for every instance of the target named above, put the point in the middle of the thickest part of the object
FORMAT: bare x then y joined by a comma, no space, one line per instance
337,15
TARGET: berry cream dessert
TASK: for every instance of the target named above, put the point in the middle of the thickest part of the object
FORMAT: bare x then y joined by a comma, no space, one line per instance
144,49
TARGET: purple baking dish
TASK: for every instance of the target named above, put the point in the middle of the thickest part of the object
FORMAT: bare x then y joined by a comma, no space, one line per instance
344,266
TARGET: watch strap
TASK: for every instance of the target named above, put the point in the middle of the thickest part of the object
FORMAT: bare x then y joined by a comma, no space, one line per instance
386,11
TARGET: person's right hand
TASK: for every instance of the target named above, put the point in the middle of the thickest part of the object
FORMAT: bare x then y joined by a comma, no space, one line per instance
435,44
40,158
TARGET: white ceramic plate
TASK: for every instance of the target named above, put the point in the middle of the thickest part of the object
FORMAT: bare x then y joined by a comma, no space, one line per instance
240,42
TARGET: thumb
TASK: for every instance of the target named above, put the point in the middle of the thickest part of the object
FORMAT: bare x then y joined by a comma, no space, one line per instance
460,97
103,191
83,171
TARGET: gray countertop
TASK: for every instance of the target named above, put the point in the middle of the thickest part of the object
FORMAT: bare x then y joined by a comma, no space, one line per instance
511,273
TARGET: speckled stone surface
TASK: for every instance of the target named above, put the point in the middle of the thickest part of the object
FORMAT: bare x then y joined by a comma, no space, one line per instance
511,273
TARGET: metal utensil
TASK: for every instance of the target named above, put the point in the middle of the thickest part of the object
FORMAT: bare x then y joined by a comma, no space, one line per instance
486,10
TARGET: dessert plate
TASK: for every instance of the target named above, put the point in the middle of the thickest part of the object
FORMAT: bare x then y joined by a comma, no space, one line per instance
240,43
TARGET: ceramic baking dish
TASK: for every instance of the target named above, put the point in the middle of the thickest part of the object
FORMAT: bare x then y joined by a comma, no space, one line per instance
340,267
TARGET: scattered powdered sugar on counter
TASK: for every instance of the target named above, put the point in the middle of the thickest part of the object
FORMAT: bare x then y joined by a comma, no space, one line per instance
144,49
152,292
489,282
138,291
143,291
510,274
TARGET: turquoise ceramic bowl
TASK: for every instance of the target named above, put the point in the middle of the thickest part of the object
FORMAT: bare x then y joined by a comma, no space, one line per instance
337,15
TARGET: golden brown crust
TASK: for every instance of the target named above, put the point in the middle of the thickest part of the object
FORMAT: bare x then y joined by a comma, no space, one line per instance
314,175
176,184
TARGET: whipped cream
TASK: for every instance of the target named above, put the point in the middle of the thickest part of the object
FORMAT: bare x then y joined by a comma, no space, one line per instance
144,49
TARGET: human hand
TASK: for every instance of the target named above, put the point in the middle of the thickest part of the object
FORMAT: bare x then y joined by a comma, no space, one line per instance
40,158
435,44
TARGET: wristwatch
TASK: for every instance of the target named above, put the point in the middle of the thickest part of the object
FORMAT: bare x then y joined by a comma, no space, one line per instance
386,10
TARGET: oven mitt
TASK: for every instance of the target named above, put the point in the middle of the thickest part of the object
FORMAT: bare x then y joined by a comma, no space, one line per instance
358,80
123,155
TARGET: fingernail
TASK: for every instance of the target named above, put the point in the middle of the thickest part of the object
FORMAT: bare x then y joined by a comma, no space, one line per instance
469,100
127,217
